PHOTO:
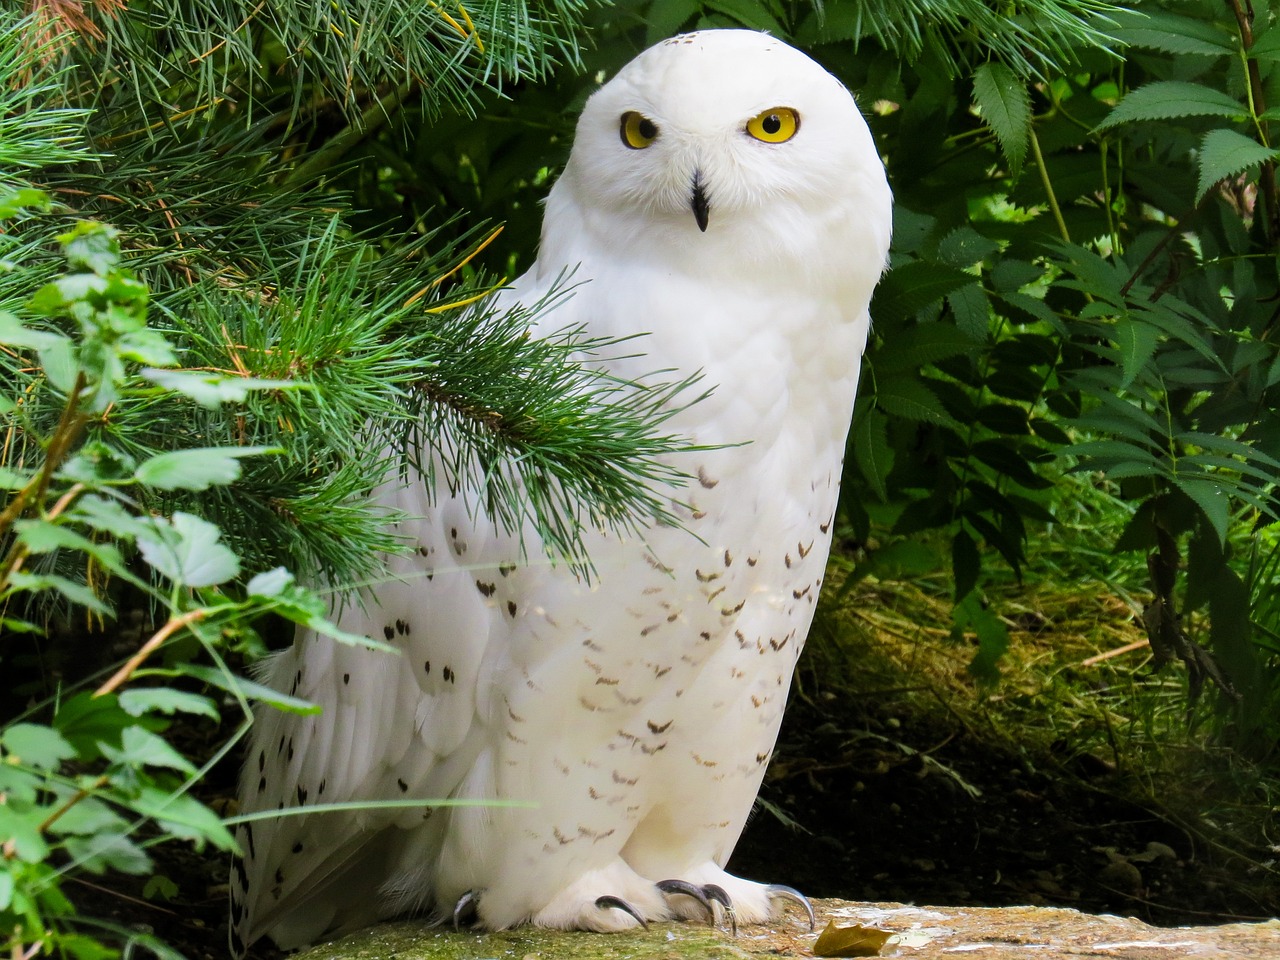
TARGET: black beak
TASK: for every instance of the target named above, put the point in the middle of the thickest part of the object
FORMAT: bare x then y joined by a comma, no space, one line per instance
701,206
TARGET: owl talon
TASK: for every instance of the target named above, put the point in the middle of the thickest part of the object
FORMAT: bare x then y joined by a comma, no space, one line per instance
719,895
617,903
464,911
778,891
669,887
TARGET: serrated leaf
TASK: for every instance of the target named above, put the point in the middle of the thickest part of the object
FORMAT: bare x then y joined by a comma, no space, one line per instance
198,468
186,550
908,289
972,311
88,721
1171,33
35,745
749,13
139,700
181,815
23,832
212,389
142,748
1225,153
910,399
250,690
1137,344
1212,500
1004,105
966,564
1266,47
77,593
993,636
14,334
108,851
871,451
921,344
271,583
965,246
1170,99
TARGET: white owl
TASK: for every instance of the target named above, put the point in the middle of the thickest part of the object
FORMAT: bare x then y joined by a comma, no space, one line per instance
725,198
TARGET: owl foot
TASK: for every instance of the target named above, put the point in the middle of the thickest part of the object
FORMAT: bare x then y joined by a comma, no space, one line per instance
670,887
465,910
609,902
778,891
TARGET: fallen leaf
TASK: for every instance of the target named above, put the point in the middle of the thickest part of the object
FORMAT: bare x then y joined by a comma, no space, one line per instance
855,941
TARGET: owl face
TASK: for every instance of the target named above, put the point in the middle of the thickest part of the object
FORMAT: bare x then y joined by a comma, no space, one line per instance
716,127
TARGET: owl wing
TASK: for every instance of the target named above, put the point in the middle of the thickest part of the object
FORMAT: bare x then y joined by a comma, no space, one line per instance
392,727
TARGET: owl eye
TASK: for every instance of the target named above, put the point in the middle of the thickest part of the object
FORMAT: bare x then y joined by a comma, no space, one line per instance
775,125
637,130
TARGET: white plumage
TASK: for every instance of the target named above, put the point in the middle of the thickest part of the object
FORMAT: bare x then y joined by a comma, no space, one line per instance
723,196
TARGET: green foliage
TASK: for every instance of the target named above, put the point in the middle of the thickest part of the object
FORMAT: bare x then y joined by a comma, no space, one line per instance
87,776
1083,290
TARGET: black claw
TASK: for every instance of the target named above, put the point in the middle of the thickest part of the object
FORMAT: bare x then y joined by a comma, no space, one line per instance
720,896
778,891
465,909
617,903
689,890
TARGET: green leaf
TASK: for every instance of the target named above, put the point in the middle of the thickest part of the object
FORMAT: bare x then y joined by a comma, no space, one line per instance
198,468
908,289
1169,99
919,345
250,690
213,389
1004,105
14,334
993,637
972,311
88,721
23,831
142,748
966,564
139,700
871,450
186,550
181,815
910,399
271,583
160,887
1212,500
77,593
91,246
1171,33
35,745
1137,344
1225,153
108,851
749,13
964,246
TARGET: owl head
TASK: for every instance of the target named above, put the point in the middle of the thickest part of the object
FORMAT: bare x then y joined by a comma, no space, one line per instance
722,129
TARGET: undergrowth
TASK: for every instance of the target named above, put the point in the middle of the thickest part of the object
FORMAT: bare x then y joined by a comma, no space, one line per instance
1079,694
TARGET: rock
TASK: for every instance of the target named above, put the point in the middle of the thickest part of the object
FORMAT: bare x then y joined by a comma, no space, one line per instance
920,933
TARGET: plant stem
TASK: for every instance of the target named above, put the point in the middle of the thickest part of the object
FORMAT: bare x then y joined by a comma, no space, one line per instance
1048,186
150,647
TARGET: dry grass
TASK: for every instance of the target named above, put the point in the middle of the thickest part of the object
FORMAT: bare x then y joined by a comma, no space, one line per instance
1065,701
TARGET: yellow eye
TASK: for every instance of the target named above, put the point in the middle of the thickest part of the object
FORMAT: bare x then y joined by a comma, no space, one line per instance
775,125
637,130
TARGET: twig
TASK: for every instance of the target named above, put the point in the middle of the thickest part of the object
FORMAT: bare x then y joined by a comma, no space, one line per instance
150,647
75,798
1118,651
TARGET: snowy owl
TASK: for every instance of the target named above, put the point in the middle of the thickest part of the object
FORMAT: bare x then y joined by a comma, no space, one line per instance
725,199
